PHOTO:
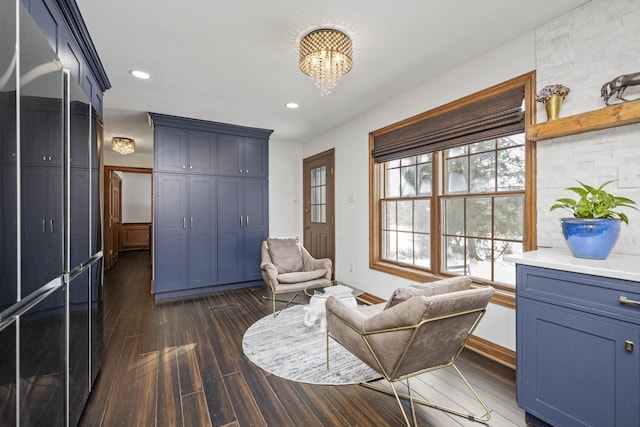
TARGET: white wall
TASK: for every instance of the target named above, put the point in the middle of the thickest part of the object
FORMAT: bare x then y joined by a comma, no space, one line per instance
136,197
285,188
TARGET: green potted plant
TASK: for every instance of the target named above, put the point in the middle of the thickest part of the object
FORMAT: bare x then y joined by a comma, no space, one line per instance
594,229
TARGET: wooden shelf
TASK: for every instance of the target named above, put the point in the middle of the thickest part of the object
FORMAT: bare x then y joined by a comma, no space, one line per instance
615,115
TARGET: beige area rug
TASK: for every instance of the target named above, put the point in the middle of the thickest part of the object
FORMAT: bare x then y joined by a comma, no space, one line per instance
285,347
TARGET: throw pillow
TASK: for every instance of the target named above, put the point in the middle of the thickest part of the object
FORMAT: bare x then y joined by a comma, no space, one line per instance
285,254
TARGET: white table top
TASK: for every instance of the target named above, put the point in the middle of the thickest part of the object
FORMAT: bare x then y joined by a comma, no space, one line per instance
619,266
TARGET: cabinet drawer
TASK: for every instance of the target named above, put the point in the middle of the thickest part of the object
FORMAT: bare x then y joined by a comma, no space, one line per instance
600,295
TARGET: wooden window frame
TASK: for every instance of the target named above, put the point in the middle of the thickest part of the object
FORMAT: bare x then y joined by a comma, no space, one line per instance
505,295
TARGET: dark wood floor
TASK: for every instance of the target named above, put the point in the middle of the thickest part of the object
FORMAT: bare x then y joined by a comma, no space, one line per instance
180,363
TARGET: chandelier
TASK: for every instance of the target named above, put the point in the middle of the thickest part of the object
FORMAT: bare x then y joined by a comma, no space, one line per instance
123,145
325,56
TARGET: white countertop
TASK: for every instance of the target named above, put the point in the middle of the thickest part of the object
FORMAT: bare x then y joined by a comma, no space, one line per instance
619,266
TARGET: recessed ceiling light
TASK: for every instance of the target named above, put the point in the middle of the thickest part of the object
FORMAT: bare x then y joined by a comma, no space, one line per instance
140,74
292,105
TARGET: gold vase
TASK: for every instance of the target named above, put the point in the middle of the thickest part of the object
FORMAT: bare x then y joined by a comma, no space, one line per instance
552,105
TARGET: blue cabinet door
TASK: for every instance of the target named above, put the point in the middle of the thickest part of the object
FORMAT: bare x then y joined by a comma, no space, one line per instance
202,231
170,148
202,151
243,225
256,208
574,368
242,156
256,160
170,235
230,230
230,155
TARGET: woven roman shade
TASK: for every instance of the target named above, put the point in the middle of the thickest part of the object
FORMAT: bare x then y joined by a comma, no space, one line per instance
496,117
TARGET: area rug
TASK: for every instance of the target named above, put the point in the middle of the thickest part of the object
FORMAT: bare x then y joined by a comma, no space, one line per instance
285,347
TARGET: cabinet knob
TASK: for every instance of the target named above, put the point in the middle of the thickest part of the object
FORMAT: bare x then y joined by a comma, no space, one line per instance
190,167
246,171
184,167
628,345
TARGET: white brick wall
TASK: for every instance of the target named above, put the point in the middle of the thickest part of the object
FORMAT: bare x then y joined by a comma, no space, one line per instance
583,49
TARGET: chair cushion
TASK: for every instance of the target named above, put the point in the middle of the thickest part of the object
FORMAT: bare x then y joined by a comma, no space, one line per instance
301,276
285,254
451,284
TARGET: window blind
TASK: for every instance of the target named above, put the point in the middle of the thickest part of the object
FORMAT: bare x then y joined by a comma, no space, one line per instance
496,117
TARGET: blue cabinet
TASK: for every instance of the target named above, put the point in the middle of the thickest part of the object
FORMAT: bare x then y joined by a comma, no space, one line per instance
578,360
181,150
243,224
210,204
185,238
242,156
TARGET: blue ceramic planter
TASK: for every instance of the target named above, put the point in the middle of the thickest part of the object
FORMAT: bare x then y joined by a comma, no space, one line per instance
590,238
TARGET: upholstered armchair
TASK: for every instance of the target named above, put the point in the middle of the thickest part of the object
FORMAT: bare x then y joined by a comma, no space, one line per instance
420,329
287,267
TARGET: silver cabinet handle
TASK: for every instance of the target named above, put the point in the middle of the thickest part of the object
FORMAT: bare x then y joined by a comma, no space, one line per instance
247,221
184,222
191,167
184,167
241,223
191,222
625,300
44,226
246,171
51,225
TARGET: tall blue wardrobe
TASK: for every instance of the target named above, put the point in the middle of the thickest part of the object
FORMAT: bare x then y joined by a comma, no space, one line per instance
211,210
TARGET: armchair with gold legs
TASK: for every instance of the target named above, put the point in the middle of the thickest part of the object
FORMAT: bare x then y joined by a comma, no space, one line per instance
288,268
421,329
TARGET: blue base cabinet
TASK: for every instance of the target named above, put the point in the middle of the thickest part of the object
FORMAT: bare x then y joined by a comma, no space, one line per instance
210,205
577,348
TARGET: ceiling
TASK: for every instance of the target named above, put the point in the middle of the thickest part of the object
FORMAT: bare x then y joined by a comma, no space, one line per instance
237,62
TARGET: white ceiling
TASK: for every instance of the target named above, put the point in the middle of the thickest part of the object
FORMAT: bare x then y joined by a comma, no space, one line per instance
237,61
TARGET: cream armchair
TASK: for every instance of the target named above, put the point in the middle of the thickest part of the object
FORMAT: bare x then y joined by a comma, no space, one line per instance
421,328
287,267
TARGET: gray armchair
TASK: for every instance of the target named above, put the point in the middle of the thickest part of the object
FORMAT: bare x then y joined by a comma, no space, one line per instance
287,267
420,329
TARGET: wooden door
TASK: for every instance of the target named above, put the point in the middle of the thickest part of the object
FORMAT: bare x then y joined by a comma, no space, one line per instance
115,217
319,205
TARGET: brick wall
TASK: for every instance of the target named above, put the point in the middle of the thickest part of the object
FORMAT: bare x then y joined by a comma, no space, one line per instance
583,49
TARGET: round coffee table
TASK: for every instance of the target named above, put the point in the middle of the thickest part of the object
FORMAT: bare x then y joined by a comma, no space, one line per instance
318,299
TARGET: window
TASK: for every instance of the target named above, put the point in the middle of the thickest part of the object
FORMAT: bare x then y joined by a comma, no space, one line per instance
456,209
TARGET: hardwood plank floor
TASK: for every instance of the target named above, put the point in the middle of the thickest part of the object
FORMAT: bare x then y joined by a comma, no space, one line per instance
180,363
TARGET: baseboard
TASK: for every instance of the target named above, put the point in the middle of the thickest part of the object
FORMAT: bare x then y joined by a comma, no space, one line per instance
492,351
369,299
